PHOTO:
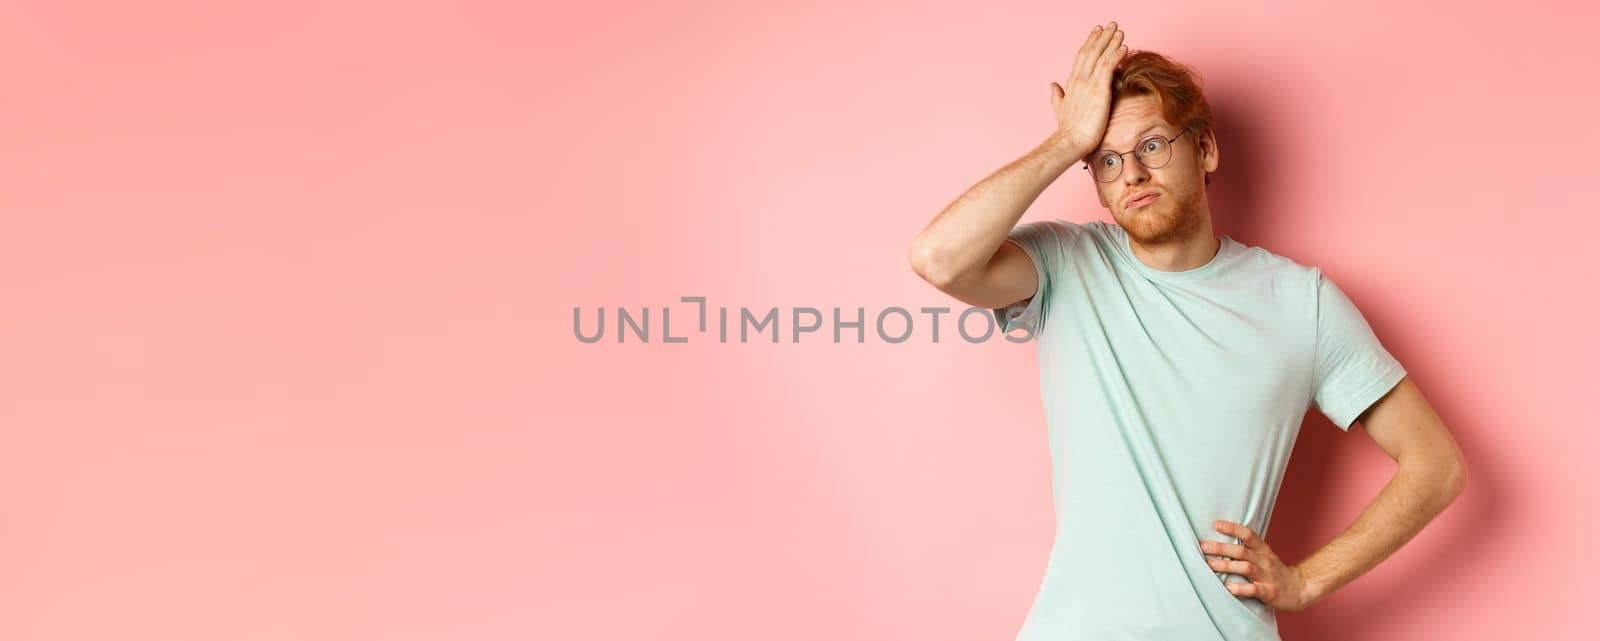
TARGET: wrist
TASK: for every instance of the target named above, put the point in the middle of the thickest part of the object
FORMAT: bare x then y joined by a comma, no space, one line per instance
1063,149
1311,589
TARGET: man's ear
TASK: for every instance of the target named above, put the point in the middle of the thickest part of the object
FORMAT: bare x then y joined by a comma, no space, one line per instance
1210,155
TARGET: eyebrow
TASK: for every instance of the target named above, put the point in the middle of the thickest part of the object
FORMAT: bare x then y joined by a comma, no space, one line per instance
1152,127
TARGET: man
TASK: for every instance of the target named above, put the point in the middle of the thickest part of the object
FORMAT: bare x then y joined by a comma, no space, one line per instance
1176,369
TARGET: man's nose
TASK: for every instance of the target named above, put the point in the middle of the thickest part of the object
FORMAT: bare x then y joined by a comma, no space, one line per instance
1134,172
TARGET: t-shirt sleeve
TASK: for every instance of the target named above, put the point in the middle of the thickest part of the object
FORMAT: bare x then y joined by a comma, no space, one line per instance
1041,241
1353,370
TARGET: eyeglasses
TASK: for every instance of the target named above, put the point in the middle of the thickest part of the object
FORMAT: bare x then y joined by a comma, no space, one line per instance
1153,152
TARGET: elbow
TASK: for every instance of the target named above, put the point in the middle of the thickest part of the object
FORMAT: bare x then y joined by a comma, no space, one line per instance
1452,482
1440,479
1456,471
1458,478
928,262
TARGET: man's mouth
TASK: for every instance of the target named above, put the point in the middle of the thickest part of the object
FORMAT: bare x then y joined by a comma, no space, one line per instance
1143,200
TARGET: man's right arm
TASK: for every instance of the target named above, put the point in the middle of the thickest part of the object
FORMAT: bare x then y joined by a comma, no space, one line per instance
963,252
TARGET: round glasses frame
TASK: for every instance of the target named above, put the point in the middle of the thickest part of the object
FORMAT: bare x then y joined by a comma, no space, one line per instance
1169,141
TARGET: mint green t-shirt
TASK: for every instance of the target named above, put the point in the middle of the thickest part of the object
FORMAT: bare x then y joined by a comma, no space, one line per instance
1172,400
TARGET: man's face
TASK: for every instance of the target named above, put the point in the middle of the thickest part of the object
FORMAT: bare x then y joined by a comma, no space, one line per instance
1179,206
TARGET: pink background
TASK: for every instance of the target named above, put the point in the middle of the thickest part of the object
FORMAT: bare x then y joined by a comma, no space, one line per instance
288,336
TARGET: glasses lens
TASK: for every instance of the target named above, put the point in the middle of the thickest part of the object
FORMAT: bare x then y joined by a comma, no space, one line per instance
1153,152
1106,166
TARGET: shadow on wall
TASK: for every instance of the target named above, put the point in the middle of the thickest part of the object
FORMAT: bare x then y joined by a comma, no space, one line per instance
1234,193
1301,522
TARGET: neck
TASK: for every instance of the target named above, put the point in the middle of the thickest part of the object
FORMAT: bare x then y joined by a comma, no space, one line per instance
1181,253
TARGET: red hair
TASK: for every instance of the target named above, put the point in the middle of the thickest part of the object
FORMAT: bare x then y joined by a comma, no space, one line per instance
1175,85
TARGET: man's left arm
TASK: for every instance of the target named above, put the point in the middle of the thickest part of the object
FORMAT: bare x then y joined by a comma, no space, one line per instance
1431,474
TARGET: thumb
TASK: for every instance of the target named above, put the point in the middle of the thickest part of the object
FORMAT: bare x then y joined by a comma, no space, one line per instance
1056,94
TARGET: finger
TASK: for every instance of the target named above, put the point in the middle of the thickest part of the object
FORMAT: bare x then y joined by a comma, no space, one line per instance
1228,550
1242,532
1056,94
1108,62
1241,568
1103,40
1113,47
1242,589
1096,47
1114,51
1089,40
1085,53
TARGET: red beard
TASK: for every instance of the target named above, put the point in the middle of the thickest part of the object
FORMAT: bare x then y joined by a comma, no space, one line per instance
1160,222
